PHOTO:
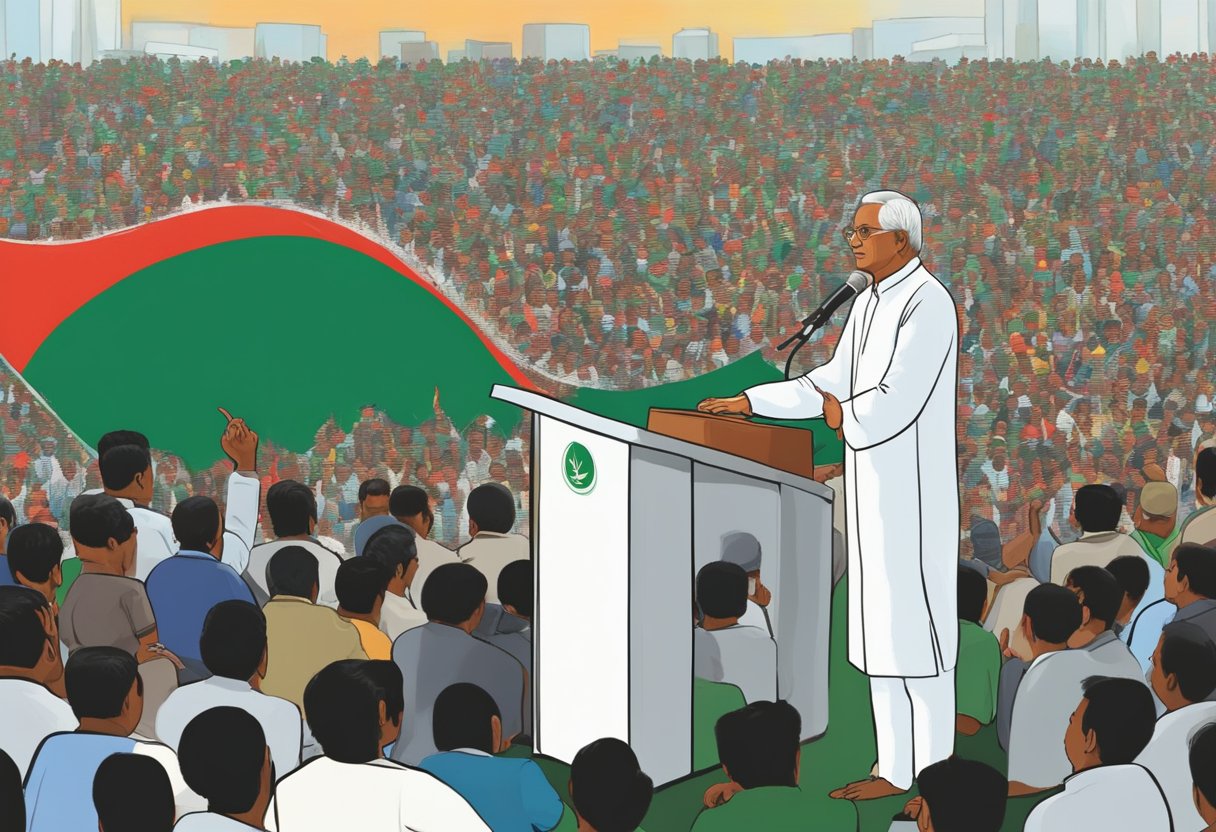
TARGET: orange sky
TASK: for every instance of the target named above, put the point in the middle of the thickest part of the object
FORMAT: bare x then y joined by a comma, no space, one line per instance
353,26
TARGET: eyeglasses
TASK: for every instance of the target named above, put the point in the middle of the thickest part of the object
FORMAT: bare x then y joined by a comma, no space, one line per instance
863,232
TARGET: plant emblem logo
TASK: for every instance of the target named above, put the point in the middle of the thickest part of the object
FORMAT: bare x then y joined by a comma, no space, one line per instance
578,466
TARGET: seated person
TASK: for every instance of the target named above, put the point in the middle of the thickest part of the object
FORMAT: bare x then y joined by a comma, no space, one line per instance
106,694
393,547
1096,509
361,586
411,505
444,652
608,789
132,793
293,515
508,626
758,747
978,668
234,650
1183,677
224,758
1156,521
373,502
491,510
725,650
35,554
8,522
301,636
1190,595
12,799
958,795
1200,526
1132,573
355,711
511,795
1110,726
743,550
1202,763
1008,589
1100,596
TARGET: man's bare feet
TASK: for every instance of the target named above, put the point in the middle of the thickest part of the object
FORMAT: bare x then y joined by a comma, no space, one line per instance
872,788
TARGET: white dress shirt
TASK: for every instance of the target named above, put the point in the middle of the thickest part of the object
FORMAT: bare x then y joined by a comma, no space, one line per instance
399,614
743,656
209,822
490,552
1106,797
431,556
1166,756
29,713
1091,549
324,795
280,719
327,569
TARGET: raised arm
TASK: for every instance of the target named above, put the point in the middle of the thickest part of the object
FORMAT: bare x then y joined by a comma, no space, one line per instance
240,443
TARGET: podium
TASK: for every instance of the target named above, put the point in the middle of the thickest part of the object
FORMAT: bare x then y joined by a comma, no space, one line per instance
622,518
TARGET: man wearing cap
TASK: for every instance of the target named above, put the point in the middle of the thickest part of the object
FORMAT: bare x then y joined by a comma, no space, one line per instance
743,550
1155,518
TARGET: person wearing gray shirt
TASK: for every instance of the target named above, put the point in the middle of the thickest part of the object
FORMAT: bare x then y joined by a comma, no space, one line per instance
444,652
508,626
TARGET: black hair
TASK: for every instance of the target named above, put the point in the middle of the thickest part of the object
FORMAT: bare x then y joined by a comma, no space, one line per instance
120,465
23,637
492,508
12,799
132,793
722,590
453,592
33,551
758,744
374,487
1098,508
359,583
1131,571
196,522
293,570
1202,758
1198,565
1205,472
515,586
972,594
1054,613
222,752
95,518
391,547
963,795
98,681
1189,654
291,505
343,706
461,718
233,640
1102,593
7,513
408,501
1122,715
121,437
608,788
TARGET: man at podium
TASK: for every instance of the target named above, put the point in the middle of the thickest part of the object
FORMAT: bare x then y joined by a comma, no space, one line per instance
890,388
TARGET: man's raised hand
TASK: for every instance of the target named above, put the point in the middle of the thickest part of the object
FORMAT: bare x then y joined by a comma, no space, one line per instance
240,443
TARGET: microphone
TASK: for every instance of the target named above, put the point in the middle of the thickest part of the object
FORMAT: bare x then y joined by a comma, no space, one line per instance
857,283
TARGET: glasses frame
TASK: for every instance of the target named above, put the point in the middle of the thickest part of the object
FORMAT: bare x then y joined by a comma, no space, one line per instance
849,232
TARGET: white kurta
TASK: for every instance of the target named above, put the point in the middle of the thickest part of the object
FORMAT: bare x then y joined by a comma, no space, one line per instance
895,372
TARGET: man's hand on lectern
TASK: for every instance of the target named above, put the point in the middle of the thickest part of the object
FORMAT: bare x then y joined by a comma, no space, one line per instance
735,405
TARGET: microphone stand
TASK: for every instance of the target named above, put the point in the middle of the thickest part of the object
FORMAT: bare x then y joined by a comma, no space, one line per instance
802,338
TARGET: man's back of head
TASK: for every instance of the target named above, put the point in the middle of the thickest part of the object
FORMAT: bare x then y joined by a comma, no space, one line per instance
722,590
233,641
1115,723
121,437
1097,508
1185,666
34,552
1099,593
224,758
515,588
24,644
408,501
492,508
453,594
758,744
99,681
609,790
1196,565
343,703
465,716
1205,474
1131,571
127,468
132,793
373,497
1202,760
292,507
963,795
1054,613
197,523
293,571
972,594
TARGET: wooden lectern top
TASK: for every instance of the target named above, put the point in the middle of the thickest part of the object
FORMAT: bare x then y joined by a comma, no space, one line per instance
785,448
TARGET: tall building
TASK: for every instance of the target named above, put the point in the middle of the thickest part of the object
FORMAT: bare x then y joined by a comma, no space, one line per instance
761,50
1169,26
61,39
231,43
1057,30
698,44
557,41
1089,29
1118,34
298,42
100,28
863,43
22,29
416,53
638,51
392,39
486,50
895,35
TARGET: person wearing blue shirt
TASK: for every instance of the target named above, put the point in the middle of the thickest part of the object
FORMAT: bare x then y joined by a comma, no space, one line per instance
183,588
511,795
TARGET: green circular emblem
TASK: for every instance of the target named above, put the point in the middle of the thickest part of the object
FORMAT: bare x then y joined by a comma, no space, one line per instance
578,468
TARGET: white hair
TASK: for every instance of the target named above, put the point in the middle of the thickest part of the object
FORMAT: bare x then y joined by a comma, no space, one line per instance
898,213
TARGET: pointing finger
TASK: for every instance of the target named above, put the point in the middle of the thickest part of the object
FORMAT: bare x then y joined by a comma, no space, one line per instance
227,415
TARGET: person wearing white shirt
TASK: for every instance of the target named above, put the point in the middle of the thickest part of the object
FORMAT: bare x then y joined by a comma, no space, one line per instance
743,549
411,505
355,710
233,647
725,650
491,510
395,548
224,757
30,667
1107,790
1182,677
293,515
1096,509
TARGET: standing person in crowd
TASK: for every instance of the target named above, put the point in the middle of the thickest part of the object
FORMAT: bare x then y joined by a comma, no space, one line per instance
355,711
1107,790
132,793
32,705
234,649
393,547
608,788
412,506
1200,526
958,795
293,515
978,672
725,650
361,586
373,502
302,636
34,558
1096,509
8,521
106,694
126,473
224,757
511,795
443,652
491,517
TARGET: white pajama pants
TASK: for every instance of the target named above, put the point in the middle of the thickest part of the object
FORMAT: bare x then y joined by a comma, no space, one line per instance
913,724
